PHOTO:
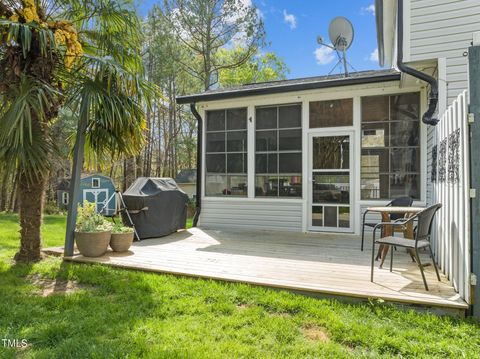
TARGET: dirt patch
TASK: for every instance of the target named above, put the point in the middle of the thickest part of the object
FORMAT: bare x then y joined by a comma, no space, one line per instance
47,286
315,333
243,306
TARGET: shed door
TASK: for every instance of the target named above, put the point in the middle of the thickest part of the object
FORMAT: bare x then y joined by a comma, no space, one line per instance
97,196
330,183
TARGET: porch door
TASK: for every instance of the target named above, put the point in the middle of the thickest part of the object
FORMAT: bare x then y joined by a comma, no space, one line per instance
330,192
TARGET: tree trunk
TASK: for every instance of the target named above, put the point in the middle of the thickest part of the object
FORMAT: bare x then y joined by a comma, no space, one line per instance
129,172
3,192
31,196
13,202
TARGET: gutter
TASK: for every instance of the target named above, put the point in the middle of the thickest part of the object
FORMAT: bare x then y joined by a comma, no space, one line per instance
285,88
427,118
198,199
380,39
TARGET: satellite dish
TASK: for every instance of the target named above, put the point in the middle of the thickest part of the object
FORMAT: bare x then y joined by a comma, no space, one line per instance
341,33
341,37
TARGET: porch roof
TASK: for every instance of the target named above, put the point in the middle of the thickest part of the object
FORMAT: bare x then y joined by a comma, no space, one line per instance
301,84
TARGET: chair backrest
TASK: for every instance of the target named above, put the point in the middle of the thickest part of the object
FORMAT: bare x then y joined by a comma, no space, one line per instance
400,202
425,220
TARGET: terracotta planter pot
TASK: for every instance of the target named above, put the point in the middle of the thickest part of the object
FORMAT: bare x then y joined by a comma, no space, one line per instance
121,242
92,244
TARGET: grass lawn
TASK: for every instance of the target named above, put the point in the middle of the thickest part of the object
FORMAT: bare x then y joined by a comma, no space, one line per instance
117,313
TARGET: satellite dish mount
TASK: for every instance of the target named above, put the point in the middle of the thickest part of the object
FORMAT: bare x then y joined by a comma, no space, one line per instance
341,36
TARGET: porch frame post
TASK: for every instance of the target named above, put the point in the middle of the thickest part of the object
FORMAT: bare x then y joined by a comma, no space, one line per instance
74,190
474,80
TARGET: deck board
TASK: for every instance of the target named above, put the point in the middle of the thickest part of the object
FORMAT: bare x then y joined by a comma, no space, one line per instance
320,263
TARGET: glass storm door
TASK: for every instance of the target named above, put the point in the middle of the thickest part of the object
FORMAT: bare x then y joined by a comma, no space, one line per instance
331,183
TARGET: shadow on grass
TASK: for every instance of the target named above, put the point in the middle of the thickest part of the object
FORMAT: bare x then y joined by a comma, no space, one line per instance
121,312
93,321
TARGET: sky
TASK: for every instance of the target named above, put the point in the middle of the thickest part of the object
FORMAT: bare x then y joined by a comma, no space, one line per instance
292,27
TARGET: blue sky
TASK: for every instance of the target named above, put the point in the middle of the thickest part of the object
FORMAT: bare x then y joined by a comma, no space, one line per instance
292,27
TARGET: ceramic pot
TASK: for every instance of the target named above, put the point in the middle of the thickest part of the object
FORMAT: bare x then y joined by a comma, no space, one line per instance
93,244
121,242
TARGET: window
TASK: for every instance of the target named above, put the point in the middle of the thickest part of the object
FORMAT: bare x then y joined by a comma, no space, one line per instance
278,151
331,113
95,182
226,153
65,198
390,163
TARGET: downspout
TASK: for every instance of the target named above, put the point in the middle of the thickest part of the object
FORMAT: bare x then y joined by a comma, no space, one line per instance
433,97
198,206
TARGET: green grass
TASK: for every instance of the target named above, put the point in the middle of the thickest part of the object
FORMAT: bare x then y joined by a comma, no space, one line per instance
122,313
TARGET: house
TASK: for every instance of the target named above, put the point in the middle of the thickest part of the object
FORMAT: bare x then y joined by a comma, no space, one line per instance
187,181
94,188
311,154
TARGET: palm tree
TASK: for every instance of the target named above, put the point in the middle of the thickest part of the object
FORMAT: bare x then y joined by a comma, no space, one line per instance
78,55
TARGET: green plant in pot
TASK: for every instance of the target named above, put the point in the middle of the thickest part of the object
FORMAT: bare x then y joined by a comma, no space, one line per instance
92,232
122,238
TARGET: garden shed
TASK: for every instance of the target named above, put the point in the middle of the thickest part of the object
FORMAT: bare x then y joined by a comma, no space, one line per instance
94,188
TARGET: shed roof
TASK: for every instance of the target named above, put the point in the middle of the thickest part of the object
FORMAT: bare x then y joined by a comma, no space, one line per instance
301,84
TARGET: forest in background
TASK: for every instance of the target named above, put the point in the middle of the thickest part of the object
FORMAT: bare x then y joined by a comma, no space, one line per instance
189,47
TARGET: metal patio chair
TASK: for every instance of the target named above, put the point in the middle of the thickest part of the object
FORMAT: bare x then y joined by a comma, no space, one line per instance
421,240
397,202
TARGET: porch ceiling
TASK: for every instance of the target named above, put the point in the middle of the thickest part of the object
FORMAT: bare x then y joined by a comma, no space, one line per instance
320,263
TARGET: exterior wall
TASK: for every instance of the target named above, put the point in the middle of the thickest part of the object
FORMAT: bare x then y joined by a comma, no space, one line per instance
252,214
437,29
86,184
293,214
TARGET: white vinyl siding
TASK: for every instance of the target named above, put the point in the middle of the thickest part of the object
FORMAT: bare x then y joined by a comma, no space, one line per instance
252,214
444,29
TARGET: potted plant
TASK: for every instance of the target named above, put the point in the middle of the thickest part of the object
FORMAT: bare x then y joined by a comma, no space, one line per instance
122,238
92,232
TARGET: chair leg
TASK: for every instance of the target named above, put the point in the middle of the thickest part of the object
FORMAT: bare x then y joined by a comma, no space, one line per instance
391,259
434,264
363,229
363,236
420,265
373,260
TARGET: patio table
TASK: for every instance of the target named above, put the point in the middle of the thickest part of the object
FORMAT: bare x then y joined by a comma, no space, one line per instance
387,230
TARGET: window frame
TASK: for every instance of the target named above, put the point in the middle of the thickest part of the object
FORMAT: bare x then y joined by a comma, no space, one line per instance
279,175
225,132
65,198
98,181
390,149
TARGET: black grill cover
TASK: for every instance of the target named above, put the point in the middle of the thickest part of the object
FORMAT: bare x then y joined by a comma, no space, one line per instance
157,206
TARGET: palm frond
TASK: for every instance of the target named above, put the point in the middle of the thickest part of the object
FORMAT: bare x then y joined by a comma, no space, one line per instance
22,35
113,104
24,141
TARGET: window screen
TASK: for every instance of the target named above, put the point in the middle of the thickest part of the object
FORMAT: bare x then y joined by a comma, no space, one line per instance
278,151
226,153
390,165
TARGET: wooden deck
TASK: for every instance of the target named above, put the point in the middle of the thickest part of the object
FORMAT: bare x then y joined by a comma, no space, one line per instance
326,264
